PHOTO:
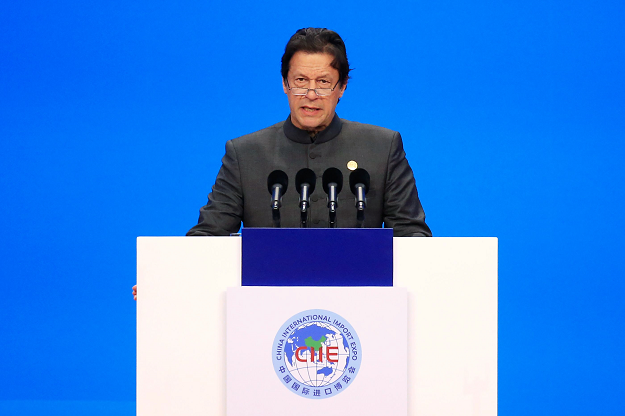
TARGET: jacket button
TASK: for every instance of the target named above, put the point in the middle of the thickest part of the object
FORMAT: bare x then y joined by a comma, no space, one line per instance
313,155
315,198
316,221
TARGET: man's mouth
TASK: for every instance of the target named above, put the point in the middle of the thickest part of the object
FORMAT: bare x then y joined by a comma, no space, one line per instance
310,109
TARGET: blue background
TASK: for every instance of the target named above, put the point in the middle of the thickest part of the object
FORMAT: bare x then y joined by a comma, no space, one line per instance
113,120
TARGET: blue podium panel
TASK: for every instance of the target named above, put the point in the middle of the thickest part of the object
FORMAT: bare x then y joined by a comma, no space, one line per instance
317,257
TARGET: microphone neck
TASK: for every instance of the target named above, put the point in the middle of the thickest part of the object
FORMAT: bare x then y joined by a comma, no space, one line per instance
275,196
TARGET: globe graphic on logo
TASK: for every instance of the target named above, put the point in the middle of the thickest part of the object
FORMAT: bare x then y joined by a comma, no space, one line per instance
316,354
314,372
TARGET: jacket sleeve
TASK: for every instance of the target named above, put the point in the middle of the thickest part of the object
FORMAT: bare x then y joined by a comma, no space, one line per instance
223,213
402,208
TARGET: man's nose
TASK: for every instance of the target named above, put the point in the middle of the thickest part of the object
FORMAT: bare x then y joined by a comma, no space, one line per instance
311,94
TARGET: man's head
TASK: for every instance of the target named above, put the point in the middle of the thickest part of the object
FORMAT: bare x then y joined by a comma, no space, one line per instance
314,59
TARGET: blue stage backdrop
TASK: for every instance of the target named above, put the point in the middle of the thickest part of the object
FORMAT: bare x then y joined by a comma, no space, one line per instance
113,120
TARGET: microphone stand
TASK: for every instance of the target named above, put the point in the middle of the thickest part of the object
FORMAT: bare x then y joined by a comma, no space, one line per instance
361,204
332,205
359,182
303,206
275,213
332,181
277,184
305,181
303,221
275,206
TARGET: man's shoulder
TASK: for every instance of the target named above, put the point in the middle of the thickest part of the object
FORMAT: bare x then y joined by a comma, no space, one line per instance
356,128
261,134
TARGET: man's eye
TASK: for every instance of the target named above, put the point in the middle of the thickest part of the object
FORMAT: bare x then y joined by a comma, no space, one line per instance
324,81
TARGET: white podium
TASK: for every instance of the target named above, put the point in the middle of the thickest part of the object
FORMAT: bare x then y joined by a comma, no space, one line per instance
181,323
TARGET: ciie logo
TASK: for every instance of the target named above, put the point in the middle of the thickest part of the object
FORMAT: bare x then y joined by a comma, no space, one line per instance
316,354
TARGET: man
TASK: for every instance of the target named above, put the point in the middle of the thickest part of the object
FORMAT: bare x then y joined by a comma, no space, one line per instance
315,72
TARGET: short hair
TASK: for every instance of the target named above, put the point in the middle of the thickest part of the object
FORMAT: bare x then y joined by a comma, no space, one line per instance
317,40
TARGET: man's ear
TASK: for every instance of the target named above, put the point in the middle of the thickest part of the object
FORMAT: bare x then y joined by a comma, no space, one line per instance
343,88
284,86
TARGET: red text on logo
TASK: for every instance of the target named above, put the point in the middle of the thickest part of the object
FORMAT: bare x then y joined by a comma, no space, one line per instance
330,352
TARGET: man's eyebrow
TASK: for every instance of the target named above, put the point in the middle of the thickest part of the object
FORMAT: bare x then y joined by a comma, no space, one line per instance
323,75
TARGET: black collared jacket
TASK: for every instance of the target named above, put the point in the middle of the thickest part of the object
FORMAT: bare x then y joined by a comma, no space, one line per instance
240,192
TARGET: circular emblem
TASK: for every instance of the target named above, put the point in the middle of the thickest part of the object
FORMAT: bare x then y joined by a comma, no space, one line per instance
316,354
352,165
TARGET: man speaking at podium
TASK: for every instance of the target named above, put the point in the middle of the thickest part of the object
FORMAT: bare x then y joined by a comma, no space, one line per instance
315,72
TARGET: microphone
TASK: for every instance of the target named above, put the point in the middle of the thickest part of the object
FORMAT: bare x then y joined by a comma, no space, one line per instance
305,181
332,181
277,184
359,182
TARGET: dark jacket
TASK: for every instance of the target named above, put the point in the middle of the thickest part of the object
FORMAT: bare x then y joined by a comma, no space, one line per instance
240,192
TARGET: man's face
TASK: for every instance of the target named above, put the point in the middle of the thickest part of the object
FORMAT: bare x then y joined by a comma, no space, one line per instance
312,70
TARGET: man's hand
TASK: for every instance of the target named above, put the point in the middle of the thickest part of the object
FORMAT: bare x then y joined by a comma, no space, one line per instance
134,291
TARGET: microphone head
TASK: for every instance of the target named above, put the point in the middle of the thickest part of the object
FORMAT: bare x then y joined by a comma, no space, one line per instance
305,176
359,176
277,177
332,175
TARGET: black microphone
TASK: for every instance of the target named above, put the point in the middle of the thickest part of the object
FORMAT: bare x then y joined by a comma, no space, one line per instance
305,181
277,184
332,181
359,182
